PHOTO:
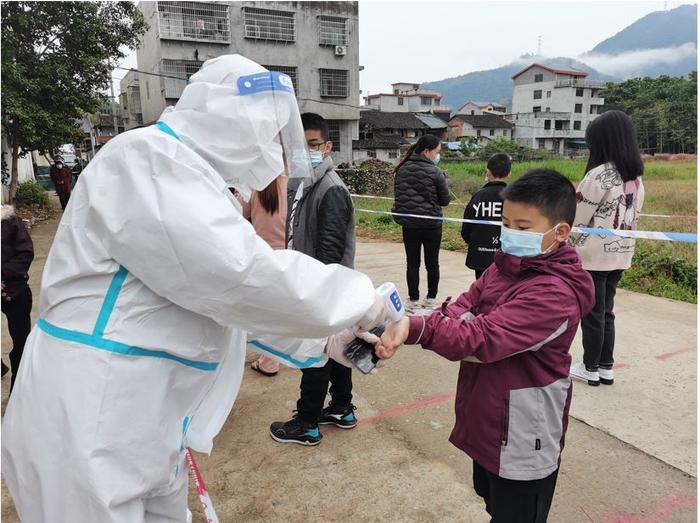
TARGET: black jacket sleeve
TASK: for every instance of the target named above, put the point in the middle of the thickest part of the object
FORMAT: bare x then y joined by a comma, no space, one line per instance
334,215
469,214
15,267
443,191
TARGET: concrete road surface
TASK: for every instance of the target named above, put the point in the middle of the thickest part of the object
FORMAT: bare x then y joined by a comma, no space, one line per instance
630,454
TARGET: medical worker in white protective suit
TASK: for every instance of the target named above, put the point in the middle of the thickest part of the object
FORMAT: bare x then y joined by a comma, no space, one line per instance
152,282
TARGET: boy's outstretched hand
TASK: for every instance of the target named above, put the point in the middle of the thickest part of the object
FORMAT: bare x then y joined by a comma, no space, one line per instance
394,336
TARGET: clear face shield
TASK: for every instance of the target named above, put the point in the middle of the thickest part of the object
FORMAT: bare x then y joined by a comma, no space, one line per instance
268,101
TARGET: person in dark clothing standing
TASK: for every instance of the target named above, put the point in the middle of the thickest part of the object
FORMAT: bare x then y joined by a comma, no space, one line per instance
320,223
17,255
62,179
420,187
486,204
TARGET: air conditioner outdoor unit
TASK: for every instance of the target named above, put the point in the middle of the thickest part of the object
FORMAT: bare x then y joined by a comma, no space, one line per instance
341,50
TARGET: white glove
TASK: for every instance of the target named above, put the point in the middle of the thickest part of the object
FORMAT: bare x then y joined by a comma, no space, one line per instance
376,315
336,345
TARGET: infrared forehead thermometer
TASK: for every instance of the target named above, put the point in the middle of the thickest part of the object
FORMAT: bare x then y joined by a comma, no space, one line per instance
392,300
361,353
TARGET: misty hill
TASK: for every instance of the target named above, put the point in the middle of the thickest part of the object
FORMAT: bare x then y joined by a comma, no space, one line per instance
654,31
662,42
495,85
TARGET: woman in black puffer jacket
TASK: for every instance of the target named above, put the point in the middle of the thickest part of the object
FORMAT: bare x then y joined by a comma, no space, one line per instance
421,188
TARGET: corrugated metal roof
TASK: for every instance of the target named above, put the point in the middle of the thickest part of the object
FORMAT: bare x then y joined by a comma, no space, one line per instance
431,120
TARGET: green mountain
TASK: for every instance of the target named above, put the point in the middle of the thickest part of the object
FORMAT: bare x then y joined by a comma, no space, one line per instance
654,31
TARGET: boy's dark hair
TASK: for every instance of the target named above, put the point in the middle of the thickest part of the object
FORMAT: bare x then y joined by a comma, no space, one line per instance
612,138
499,165
315,122
547,190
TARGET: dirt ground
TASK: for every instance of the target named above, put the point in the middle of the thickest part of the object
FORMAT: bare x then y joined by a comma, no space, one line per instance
630,455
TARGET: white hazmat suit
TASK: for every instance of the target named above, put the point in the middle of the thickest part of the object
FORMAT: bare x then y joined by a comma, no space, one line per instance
151,284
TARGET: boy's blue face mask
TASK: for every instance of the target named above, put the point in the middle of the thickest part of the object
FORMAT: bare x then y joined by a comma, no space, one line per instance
316,157
524,244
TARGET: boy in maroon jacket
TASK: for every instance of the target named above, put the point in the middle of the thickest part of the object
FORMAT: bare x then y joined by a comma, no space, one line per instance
512,331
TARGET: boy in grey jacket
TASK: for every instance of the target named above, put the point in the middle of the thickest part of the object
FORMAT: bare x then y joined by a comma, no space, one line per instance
320,223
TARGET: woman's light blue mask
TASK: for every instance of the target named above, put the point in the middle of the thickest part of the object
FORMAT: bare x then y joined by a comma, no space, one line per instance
436,160
523,244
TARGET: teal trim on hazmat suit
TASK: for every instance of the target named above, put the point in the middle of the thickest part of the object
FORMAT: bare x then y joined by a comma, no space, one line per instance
152,285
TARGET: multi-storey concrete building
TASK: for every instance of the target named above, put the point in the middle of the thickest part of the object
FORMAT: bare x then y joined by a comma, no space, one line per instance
553,107
315,43
130,99
408,98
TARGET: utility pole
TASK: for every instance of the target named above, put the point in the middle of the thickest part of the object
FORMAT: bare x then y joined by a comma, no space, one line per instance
114,109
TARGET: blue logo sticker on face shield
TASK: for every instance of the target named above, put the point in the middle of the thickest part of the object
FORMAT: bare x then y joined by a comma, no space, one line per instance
262,82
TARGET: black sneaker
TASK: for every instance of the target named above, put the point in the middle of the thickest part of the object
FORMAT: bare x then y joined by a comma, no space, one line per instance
343,417
296,431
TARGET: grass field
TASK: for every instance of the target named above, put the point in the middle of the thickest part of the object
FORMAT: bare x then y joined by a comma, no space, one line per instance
660,268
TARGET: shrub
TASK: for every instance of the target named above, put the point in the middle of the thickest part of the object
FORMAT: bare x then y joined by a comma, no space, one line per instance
32,193
660,274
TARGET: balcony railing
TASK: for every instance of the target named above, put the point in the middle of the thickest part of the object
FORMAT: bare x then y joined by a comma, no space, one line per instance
196,21
575,82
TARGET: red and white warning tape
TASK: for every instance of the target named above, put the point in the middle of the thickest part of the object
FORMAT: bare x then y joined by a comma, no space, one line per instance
204,498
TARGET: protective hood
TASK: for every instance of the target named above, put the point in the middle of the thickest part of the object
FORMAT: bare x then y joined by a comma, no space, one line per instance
244,121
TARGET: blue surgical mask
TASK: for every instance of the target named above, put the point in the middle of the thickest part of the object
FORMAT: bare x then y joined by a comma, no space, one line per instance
523,244
436,160
316,157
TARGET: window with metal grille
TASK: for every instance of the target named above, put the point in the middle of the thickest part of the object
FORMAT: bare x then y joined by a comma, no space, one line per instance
269,24
334,83
393,154
400,100
537,109
334,133
491,132
426,100
538,78
579,92
372,153
578,108
289,71
331,31
180,69
549,94
548,124
577,125
194,21
537,95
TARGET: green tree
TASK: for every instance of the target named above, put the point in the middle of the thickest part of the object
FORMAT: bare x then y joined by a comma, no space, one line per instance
57,62
663,109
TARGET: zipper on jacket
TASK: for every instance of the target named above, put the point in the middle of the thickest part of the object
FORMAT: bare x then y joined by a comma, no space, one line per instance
504,435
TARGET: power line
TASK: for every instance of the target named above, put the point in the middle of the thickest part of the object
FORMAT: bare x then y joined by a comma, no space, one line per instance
185,80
